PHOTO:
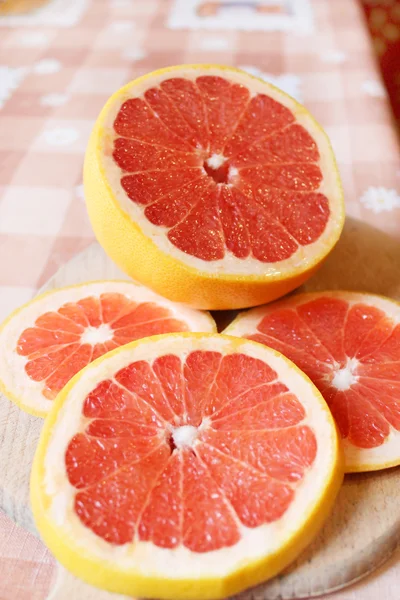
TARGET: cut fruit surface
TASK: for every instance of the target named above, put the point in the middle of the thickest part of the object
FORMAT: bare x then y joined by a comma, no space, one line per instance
185,466
349,345
228,183
48,340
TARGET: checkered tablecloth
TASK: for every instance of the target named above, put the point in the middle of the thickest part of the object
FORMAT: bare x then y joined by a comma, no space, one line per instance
59,65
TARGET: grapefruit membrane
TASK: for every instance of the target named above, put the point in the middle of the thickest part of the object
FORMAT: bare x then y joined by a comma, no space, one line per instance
49,339
226,186
186,465
348,343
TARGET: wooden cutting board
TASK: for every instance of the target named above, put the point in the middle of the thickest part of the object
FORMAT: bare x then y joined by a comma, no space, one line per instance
364,527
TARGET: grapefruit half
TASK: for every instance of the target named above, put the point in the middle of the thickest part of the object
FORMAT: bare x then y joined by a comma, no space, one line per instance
349,345
46,341
212,187
185,466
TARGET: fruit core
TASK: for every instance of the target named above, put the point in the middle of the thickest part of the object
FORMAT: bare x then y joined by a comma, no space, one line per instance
344,378
184,436
97,335
217,167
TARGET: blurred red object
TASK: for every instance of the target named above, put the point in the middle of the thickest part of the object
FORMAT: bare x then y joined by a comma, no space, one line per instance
383,17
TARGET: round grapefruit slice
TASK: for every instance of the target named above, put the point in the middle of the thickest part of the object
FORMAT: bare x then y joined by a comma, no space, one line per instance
46,341
224,186
349,345
185,466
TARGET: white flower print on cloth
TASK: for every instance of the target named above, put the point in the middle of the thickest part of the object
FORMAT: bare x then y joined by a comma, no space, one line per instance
335,57
10,79
54,100
373,88
242,15
380,199
61,136
122,26
79,192
34,39
57,13
121,3
47,66
287,82
133,54
214,43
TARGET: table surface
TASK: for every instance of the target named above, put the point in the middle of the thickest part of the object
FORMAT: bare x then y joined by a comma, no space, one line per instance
59,65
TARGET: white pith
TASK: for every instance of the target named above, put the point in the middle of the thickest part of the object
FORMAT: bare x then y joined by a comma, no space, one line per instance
304,255
185,436
357,459
97,335
12,365
215,161
232,173
344,378
144,557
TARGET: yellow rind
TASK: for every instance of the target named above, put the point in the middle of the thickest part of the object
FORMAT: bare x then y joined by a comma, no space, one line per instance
102,574
139,257
20,403
14,315
368,467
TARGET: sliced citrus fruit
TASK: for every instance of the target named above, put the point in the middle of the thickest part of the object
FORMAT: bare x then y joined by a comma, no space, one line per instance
226,186
185,466
46,341
349,345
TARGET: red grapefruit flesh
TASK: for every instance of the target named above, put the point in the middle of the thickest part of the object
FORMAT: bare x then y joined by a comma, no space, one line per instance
349,346
52,338
220,171
266,187
217,403
213,452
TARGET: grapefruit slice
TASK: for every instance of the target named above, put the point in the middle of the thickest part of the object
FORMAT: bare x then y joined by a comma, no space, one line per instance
46,341
349,345
225,186
185,466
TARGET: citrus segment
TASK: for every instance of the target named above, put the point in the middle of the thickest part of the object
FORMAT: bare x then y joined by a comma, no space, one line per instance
224,179
48,340
185,458
349,345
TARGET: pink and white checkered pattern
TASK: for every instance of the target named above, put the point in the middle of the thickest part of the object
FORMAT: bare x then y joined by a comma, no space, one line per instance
54,79
27,569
